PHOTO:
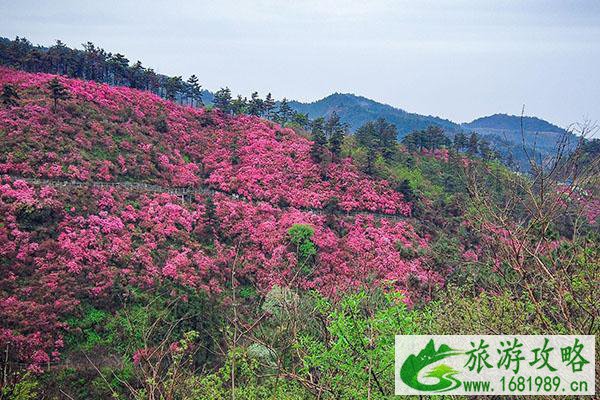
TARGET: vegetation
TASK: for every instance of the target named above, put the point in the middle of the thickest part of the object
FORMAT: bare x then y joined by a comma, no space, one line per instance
286,267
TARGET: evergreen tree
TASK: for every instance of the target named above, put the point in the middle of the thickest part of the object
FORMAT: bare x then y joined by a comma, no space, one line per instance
269,106
284,113
173,86
255,105
388,135
378,137
222,100
431,138
460,141
485,151
371,157
136,75
9,96
337,132
473,144
300,119
57,92
319,140
239,105
194,91
118,65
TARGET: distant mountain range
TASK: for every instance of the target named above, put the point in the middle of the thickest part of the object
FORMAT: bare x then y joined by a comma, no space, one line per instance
357,110
501,130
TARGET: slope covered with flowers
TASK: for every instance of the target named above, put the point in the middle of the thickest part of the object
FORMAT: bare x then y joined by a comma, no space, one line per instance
61,248
114,134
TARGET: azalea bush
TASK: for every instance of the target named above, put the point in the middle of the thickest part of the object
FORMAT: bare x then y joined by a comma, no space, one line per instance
104,133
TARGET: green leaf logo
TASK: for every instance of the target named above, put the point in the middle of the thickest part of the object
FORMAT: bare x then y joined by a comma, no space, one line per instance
413,365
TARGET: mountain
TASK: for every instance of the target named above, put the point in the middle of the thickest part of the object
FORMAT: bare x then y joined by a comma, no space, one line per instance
516,136
357,110
513,123
502,131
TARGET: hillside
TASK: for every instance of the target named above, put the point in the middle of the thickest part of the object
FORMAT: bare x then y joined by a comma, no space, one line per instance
540,138
96,64
76,243
357,110
513,123
502,131
150,247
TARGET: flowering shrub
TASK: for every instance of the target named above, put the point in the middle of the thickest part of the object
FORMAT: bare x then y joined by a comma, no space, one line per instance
60,247
105,133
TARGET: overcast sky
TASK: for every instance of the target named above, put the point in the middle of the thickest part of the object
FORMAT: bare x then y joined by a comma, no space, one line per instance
458,59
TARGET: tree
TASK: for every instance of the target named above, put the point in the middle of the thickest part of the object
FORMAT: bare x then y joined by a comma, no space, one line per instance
284,113
378,137
118,64
194,90
222,100
9,96
431,138
460,141
256,105
388,134
57,92
319,140
485,151
239,105
335,131
136,75
300,119
473,144
173,86
269,106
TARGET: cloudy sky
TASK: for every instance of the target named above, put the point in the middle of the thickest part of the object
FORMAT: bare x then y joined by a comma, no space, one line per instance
458,59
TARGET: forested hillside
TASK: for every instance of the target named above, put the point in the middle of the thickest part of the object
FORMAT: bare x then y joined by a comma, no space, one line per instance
150,249
502,132
355,111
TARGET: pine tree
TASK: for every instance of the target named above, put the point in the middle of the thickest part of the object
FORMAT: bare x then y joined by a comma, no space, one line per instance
239,105
319,141
388,135
194,91
222,100
379,137
335,131
57,92
173,86
119,64
300,119
256,105
473,144
136,75
485,151
284,113
269,106
460,141
9,96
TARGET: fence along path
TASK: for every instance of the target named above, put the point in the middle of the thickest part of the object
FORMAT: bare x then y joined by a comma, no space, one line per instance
186,194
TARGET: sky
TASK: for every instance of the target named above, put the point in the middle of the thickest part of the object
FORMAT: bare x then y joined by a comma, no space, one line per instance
457,59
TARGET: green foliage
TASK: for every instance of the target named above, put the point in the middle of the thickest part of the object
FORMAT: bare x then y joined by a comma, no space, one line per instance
431,138
464,311
358,359
25,389
9,96
245,364
57,91
300,235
